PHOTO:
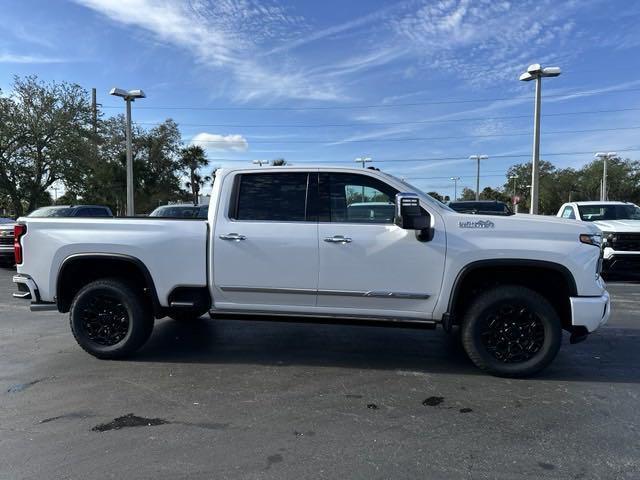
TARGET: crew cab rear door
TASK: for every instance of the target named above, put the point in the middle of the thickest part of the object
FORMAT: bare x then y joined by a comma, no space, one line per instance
265,241
368,265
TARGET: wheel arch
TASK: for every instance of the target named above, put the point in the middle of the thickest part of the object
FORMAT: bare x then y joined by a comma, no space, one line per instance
77,270
516,271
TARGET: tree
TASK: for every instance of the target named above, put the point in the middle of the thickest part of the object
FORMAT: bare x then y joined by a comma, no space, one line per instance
192,159
278,162
467,194
489,193
101,178
44,134
436,195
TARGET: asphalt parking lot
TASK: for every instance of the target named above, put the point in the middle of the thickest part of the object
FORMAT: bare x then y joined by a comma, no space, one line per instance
229,399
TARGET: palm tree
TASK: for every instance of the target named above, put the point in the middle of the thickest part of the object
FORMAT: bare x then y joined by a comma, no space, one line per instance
191,160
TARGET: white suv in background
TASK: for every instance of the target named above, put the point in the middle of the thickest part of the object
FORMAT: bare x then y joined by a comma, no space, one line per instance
620,226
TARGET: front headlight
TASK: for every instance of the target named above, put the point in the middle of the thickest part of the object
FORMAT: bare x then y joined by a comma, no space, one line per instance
594,239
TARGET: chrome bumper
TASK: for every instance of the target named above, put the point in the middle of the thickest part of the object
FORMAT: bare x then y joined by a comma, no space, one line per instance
590,312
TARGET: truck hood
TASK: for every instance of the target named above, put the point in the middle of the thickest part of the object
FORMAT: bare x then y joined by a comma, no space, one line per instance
522,225
627,226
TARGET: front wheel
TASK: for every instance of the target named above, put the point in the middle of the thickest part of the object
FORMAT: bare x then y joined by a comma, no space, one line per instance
511,331
110,319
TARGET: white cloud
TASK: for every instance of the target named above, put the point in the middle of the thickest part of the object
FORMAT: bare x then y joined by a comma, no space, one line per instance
11,58
215,142
224,35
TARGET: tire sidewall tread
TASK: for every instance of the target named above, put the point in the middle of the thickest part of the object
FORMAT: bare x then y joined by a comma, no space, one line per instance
535,302
140,318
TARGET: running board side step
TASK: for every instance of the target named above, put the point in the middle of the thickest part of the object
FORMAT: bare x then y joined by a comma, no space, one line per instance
43,307
325,319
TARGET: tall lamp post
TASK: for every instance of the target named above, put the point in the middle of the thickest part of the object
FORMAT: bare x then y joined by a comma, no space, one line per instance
536,72
514,178
363,160
129,96
604,192
455,187
477,158
513,197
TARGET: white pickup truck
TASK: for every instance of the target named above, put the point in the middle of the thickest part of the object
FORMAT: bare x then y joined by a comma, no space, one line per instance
300,244
619,223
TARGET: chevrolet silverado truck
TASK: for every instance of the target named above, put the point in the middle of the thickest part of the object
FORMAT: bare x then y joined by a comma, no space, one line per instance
283,243
619,223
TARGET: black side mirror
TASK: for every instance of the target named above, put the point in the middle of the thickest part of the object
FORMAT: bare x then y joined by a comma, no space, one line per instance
409,216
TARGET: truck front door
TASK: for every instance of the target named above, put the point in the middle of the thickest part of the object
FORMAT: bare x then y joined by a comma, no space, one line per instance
368,265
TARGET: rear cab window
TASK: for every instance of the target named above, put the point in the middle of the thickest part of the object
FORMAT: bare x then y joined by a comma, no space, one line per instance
272,196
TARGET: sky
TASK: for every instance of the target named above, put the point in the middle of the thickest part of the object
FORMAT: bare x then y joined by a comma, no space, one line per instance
418,86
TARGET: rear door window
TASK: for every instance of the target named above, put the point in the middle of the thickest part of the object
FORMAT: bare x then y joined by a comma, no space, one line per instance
279,197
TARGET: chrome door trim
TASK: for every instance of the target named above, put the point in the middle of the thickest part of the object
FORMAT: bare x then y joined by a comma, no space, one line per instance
343,293
301,291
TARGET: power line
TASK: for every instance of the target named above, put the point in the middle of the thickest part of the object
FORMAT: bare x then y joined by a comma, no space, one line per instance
432,159
366,124
379,105
419,139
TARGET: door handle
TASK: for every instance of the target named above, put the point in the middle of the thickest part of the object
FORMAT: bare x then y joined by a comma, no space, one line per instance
232,236
338,239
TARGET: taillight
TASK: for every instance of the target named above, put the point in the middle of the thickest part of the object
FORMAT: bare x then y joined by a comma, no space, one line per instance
18,232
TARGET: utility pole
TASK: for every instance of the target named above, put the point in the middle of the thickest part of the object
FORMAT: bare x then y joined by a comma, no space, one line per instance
604,191
363,160
536,72
455,187
129,96
94,113
477,158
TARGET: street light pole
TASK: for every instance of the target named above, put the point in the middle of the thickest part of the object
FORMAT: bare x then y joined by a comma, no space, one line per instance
514,178
478,158
129,96
131,210
536,72
604,191
455,187
363,160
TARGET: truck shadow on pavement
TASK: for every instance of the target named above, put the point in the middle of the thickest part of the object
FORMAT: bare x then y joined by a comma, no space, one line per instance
610,355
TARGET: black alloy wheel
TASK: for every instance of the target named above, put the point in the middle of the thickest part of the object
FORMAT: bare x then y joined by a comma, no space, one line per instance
111,318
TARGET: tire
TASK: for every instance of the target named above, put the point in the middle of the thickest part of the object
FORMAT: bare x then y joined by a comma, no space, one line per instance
110,319
504,319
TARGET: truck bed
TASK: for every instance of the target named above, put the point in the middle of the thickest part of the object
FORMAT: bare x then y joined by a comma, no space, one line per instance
173,250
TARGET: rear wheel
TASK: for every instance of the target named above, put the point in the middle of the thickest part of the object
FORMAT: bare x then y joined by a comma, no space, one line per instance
511,331
110,319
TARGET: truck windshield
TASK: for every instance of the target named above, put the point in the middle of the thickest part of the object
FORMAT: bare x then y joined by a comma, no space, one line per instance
594,213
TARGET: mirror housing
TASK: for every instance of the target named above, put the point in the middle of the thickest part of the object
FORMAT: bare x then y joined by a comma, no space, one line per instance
409,216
